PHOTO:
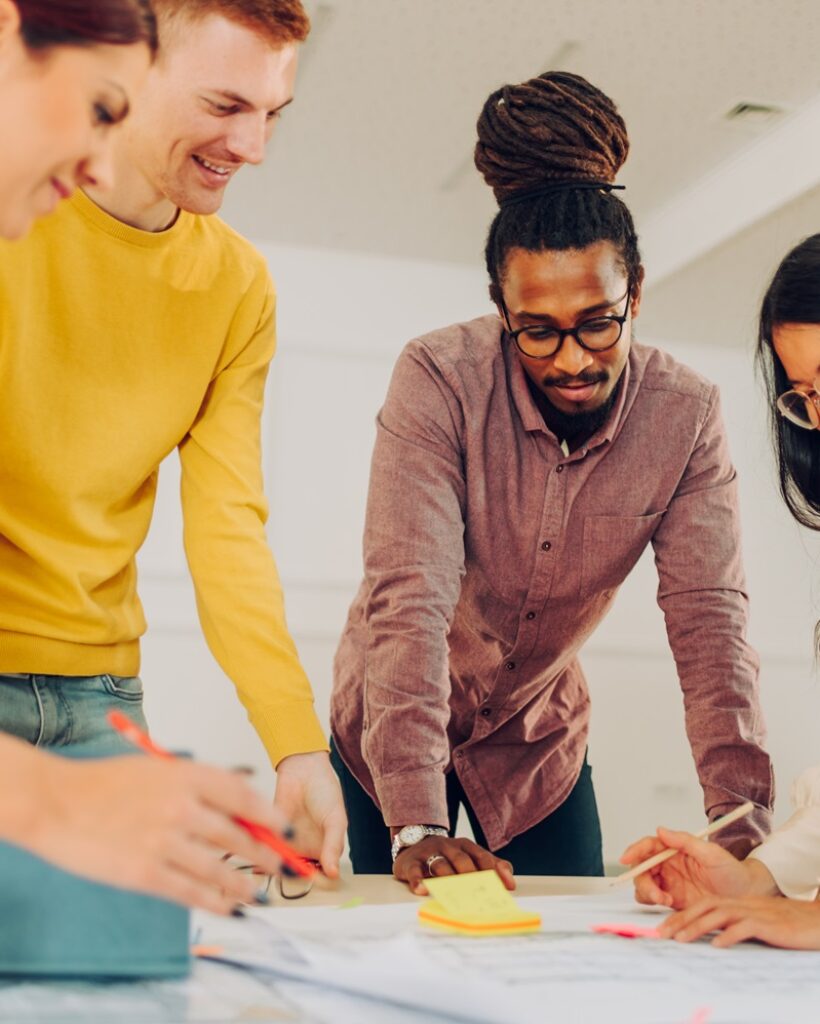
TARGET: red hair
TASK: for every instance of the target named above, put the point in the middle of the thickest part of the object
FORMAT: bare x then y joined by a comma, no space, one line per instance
47,23
280,21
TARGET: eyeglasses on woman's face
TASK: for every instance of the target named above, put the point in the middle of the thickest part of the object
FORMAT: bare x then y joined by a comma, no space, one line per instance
801,407
540,341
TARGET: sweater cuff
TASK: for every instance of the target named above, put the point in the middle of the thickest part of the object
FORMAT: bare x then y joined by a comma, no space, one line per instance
413,798
287,729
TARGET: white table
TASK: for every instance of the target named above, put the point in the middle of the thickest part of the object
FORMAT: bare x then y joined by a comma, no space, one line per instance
385,889
216,993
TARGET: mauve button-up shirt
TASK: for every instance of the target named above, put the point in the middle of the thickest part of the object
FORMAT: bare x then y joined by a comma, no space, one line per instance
491,555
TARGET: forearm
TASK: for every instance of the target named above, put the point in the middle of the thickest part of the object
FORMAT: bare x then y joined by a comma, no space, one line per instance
407,692
238,592
702,594
243,620
21,800
414,797
405,743
724,721
270,683
414,564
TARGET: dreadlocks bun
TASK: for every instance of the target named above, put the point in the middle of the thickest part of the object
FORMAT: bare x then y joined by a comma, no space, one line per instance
557,127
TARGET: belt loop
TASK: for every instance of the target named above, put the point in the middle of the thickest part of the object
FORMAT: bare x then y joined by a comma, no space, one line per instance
37,697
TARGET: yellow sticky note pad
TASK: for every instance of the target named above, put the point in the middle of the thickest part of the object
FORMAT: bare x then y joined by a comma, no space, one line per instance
474,904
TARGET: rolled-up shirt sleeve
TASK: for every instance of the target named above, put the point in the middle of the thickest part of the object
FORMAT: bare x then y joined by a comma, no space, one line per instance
702,595
792,852
414,563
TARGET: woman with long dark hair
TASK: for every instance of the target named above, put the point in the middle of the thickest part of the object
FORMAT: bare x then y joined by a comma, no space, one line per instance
68,71
711,890
787,355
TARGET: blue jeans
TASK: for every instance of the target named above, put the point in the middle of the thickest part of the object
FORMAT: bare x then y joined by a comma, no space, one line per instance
62,712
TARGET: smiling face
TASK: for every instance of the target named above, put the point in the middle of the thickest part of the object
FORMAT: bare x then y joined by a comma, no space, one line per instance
566,288
209,107
57,109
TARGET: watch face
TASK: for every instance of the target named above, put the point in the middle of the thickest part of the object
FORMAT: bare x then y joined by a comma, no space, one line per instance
411,834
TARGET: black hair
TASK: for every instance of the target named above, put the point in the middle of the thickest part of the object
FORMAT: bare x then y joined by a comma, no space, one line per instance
793,297
48,23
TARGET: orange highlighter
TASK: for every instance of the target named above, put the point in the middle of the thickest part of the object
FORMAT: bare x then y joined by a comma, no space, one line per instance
126,728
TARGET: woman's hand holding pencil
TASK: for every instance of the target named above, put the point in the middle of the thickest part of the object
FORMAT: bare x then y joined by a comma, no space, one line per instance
675,869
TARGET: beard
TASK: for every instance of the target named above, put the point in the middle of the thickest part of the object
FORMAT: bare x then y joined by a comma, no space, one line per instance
573,426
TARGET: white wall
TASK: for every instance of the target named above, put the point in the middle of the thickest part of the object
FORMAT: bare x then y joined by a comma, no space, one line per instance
343,319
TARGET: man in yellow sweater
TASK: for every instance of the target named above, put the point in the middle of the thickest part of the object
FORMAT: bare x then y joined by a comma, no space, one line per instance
131,324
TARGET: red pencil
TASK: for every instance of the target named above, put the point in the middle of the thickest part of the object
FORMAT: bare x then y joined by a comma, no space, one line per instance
125,727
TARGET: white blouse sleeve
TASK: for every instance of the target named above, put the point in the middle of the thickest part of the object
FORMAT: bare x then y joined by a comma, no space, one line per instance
792,852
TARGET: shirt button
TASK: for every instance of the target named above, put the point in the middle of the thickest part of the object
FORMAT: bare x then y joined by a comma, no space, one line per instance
486,712
546,546
559,469
510,666
459,755
530,615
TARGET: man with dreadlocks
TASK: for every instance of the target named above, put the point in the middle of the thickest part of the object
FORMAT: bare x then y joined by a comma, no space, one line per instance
522,464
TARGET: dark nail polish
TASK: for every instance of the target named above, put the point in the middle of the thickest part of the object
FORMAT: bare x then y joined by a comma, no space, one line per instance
262,898
237,912
288,871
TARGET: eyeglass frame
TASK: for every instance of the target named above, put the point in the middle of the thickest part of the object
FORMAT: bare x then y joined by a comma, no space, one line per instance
307,883
564,332
812,399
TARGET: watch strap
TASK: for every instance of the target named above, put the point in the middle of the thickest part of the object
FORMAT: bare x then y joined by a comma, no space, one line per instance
428,830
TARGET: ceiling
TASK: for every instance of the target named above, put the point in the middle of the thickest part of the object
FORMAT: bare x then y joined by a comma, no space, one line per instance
376,154
715,300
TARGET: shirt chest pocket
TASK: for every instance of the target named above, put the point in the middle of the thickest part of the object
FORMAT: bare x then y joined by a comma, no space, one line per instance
611,547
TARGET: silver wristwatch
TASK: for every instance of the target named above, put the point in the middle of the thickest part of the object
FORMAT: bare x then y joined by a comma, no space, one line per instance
412,834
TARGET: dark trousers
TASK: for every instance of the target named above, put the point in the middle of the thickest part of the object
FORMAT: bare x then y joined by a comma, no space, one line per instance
567,842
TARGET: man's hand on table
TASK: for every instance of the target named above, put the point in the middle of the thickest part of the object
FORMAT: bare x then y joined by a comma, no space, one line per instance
309,795
452,857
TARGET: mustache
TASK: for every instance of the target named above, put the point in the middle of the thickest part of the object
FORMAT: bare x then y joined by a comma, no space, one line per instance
568,382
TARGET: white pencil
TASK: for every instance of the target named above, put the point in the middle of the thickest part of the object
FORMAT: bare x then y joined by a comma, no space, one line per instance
659,858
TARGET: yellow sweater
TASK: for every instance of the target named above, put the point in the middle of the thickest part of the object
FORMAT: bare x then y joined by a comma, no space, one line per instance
117,346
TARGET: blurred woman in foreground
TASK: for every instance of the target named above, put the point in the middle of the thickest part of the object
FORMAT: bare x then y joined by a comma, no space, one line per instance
69,71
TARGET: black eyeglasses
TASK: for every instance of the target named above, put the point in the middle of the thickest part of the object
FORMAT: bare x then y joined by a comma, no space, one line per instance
540,341
292,889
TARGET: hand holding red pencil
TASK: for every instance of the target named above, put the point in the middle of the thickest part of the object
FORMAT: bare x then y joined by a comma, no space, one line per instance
295,864
153,825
